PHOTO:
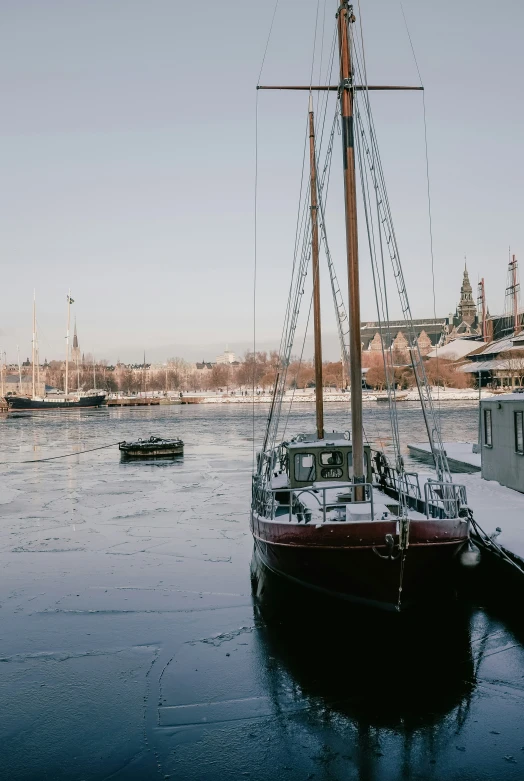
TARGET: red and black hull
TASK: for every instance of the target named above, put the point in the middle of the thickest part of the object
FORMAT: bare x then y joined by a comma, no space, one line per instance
352,561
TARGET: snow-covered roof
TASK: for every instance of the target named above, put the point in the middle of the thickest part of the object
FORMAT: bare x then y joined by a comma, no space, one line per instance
502,345
455,349
484,366
506,397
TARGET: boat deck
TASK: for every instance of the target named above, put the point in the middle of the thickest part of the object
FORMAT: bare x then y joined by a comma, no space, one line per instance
309,503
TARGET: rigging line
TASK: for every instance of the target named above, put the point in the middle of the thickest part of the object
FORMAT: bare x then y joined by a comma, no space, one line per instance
381,298
378,293
340,310
314,45
255,224
377,173
267,42
299,366
430,218
291,328
290,334
255,271
66,455
296,284
377,282
298,240
382,305
319,96
295,294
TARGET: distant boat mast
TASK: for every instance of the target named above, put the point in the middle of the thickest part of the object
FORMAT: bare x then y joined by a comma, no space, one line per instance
69,302
34,342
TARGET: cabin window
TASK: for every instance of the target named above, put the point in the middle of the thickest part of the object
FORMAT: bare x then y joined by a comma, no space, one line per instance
331,472
519,432
488,438
331,458
305,471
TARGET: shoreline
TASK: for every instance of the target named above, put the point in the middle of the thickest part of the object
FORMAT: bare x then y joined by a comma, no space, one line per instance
304,398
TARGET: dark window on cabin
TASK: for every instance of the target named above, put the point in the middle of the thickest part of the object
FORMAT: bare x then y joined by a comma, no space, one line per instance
305,471
488,437
331,458
519,432
331,472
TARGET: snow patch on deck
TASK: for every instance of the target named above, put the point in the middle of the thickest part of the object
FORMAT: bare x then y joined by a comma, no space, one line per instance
459,454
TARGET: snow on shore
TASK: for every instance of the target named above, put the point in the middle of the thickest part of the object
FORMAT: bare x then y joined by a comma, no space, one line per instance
308,395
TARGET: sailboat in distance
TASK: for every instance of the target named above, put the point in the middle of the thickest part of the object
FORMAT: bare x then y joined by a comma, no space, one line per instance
328,510
61,401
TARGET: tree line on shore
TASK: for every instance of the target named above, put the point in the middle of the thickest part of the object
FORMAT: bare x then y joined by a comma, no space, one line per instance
257,370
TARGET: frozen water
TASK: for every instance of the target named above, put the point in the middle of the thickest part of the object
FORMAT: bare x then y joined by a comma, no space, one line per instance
130,647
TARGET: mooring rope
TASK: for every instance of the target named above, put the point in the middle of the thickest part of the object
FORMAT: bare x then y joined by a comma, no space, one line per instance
66,455
488,542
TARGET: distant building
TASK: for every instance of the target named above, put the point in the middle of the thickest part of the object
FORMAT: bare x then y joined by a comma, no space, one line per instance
203,366
13,385
430,332
498,363
226,357
465,321
75,352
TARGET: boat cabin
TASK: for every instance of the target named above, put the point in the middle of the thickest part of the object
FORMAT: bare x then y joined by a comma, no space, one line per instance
328,460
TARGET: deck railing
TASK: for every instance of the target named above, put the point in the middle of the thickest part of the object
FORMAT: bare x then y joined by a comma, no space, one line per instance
441,499
444,497
264,501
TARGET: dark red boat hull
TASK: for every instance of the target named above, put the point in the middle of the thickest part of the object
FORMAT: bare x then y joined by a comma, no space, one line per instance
351,562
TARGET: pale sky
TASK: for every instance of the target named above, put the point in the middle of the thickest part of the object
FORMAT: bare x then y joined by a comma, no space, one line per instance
127,157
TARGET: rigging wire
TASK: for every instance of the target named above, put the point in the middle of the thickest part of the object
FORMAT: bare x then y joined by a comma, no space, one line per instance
299,271
319,95
378,270
297,373
430,217
255,228
386,220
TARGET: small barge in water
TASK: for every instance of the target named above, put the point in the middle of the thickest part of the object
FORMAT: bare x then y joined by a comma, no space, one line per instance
152,448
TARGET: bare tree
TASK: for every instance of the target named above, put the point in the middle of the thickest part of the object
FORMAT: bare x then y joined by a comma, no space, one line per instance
513,363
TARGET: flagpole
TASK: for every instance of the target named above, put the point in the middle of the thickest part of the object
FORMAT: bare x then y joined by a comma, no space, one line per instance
67,340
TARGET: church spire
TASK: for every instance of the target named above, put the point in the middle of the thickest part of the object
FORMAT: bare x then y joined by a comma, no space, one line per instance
75,352
466,310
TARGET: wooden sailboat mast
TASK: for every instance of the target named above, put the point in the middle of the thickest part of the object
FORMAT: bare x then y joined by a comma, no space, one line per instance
346,17
319,392
346,89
